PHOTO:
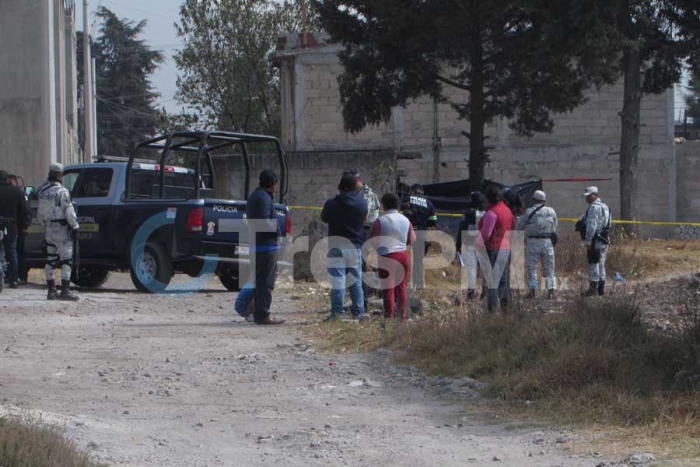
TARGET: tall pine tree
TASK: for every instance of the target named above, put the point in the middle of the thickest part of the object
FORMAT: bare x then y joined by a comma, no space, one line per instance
652,40
126,111
520,59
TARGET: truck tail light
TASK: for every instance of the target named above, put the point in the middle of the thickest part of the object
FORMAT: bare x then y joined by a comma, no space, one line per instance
288,224
195,220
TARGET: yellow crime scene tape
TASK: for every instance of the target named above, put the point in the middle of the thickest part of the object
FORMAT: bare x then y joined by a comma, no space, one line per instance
564,219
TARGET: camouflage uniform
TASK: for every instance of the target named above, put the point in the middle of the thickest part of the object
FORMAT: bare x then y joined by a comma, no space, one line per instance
59,219
539,223
372,204
598,219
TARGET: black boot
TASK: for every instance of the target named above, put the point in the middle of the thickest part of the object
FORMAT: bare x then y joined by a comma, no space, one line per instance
531,294
601,288
53,293
592,289
552,294
66,294
471,294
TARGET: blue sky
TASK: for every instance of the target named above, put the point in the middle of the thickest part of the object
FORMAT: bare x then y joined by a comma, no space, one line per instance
160,34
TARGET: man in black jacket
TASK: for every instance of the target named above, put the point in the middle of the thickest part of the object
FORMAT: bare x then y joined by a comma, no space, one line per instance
12,210
345,215
421,212
22,269
264,230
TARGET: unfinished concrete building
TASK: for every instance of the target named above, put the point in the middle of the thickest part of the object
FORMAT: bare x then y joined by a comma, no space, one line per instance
427,142
38,87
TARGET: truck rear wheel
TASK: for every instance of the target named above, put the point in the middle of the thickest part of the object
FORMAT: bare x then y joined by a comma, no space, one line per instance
233,278
90,278
151,270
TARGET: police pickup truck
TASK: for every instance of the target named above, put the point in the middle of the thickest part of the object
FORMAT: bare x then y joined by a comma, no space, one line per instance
155,215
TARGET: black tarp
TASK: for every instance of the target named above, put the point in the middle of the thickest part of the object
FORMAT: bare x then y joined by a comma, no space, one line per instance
455,197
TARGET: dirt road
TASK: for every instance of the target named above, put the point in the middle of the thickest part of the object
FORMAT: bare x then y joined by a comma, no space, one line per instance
182,381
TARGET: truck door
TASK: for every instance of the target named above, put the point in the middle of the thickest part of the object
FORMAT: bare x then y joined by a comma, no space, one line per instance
92,196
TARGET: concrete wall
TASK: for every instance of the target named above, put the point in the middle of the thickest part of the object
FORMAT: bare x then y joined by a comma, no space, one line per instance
34,105
688,168
579,147
315,122
313,176
516,164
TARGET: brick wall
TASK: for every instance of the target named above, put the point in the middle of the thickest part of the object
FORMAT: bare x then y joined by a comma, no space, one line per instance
319,121
516,164
582,144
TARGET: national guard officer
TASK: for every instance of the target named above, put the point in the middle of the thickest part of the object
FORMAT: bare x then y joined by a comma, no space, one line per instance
540,225
366,192
594,226
57,215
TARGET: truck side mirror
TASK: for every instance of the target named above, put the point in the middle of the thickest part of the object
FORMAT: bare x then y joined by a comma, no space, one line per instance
29,191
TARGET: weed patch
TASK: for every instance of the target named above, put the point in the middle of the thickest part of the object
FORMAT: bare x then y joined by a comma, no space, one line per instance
29,443
598,356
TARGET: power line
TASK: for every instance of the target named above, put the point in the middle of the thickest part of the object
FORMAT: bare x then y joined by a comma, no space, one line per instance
124,108
146,12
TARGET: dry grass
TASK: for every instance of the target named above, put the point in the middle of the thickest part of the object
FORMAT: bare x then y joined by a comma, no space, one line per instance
29,443
592,362
597,359
349,337
596,362
632,259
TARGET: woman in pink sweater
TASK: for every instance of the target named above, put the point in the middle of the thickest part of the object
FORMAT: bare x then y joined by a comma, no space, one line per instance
390,236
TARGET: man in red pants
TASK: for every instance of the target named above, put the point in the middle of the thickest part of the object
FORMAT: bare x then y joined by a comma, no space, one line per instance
390,236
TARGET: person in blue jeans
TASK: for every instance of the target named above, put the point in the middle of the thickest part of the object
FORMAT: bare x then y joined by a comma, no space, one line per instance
345,215
244,300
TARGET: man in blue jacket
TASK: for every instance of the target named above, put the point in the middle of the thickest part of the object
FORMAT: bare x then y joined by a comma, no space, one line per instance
263,239
345,215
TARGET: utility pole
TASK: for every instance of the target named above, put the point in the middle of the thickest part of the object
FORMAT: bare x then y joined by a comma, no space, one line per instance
88,116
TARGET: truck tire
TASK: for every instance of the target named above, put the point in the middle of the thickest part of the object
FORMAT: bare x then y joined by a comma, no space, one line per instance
232,279
90,278
151,271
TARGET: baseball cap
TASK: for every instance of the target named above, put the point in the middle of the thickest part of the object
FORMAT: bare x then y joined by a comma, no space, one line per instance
591,190
58,168
539,196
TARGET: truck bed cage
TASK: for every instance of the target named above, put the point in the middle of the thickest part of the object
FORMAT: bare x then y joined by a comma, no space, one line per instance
203,143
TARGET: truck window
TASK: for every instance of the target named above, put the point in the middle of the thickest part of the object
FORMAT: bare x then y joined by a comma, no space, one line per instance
146,184
94,183
69,179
